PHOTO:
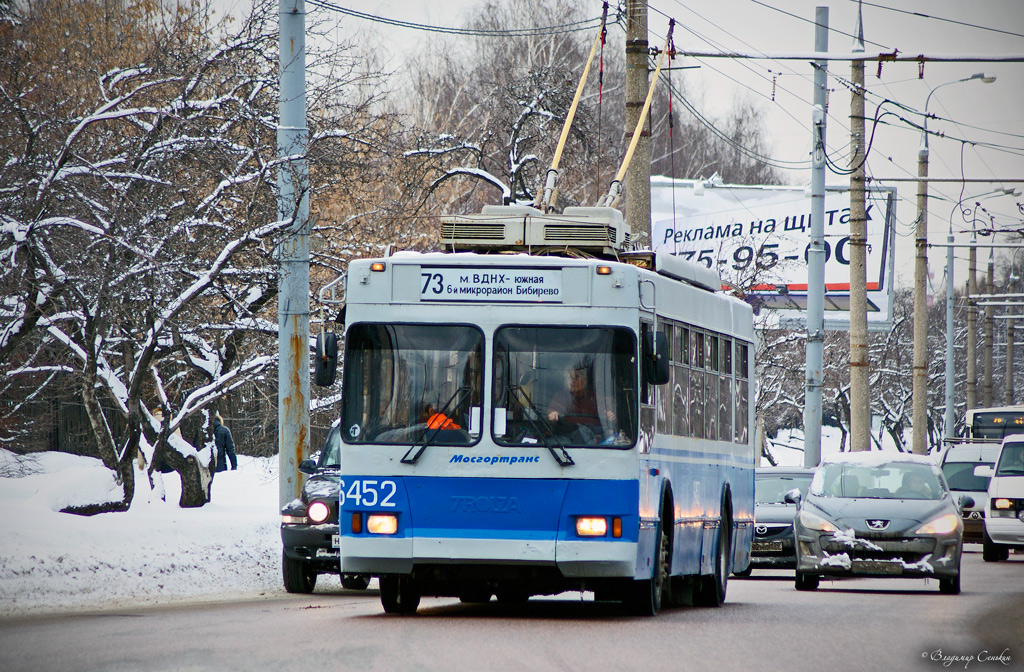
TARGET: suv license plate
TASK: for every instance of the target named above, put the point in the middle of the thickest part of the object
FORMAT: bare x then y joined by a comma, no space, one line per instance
876,567
335,541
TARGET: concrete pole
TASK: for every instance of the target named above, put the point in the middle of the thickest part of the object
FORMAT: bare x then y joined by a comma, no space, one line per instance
638,173
972,326
949,420
919,418
1008,393
816,253
987,390
293,252
860,392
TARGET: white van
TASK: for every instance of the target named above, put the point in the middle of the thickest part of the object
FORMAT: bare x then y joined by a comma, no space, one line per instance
1004,505
958,465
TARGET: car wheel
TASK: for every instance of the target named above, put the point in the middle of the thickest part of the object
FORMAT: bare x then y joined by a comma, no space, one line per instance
993,552
950,586
398,594
710,590
743,574
355,581
298,578
645,599
806,581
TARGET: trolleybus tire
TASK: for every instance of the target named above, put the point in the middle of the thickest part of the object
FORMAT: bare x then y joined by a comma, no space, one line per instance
512,596
645,596
480,595
744,573
298,577
398,594
709,591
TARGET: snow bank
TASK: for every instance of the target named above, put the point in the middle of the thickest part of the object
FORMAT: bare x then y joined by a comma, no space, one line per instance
155,552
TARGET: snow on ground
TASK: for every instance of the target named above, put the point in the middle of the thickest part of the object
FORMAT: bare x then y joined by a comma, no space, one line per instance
155,552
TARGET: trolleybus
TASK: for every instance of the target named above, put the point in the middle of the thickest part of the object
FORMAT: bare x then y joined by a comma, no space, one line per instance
539,410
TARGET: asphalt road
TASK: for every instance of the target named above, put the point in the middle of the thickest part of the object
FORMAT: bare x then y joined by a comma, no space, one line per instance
863,624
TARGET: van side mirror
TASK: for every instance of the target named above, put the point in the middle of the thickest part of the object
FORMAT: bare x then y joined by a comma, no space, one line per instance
326,365
655,354
984,471
792,497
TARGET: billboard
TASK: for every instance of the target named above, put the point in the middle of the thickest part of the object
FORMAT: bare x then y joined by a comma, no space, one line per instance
757,238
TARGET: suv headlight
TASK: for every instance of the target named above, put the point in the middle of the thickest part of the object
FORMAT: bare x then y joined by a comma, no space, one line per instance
318,512
813,521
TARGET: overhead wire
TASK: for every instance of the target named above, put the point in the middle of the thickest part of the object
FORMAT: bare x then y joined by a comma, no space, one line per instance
939,18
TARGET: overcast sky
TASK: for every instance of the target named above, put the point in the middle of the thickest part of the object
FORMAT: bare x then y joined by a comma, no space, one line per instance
786,26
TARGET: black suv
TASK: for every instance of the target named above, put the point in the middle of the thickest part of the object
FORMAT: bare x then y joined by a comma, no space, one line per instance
309,525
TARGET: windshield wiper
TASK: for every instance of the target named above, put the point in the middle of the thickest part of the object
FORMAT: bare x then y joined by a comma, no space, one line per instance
428,437
540,426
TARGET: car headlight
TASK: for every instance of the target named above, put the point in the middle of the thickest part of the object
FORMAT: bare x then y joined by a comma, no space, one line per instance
288,519
318,512
813,521
941,525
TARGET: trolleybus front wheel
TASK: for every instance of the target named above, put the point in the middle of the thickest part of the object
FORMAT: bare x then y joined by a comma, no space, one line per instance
645,598
399,594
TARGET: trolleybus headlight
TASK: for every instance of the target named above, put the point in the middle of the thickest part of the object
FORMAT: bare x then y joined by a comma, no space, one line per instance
591,526
381,523
319,512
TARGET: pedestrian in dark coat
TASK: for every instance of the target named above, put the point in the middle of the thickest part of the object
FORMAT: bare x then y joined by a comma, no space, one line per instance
225,444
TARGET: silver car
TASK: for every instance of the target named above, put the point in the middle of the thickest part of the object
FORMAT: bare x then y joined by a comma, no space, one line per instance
879,514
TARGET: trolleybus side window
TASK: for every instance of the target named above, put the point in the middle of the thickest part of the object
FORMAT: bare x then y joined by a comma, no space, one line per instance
742,387
565,386
407,383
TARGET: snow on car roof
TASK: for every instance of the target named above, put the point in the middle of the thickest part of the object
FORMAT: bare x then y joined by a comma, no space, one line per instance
875,458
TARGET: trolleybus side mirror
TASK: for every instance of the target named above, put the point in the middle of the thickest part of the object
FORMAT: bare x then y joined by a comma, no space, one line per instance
326,359
656,368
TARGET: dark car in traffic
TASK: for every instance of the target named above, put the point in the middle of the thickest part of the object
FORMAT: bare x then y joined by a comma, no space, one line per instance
879,514
772,547
309,524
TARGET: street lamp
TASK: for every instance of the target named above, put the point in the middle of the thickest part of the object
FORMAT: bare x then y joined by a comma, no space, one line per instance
919,418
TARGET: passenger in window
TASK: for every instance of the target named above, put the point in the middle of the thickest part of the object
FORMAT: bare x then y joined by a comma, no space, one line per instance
914,487
435,419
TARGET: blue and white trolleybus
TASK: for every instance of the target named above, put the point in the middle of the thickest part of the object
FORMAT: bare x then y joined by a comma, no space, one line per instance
541,410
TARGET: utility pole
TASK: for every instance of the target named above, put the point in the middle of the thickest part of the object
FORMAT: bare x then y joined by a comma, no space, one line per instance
860,392
919,416
972,326
949,418
816,253
988,330
638,173
293,253
1012,286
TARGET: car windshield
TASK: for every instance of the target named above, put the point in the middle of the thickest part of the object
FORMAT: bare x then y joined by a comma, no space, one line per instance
960,476
891,480
329,454
565,386
1011,460
410,383
772,488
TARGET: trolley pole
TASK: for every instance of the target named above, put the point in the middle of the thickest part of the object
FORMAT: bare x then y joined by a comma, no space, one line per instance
638,173
816,254
293,253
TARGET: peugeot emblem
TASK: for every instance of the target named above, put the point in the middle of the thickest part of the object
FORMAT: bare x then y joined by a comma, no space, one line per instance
877,524
761,529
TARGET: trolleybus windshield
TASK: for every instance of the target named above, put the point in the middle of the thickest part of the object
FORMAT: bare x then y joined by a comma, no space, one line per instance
411,383
564,385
